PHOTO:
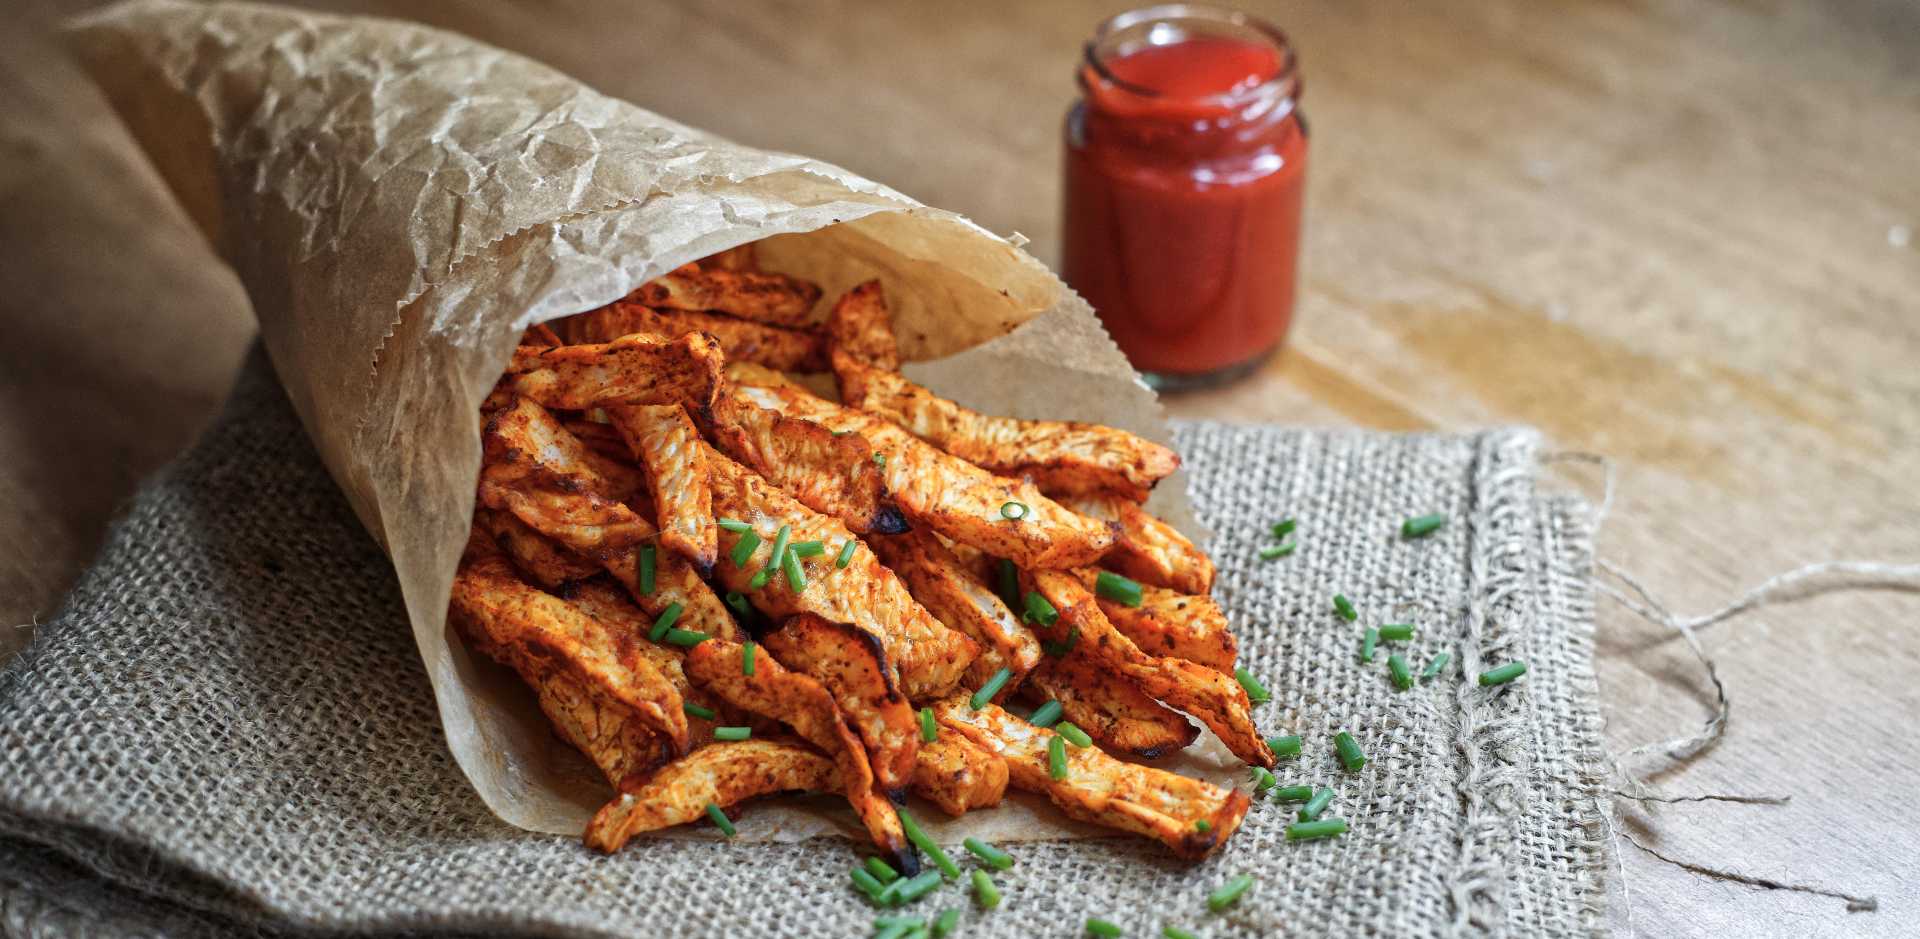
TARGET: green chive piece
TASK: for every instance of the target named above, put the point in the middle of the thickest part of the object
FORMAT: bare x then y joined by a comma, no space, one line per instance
1121,590
1324,828
1293,794
984,891
882,871
1013,510
720,820
1256,692
1433,668
732,733
945,922
759,579
1278,551
696,710
1057,757
1074,734
1344,607
1420,525
1397,667
1284,527
1009,582
1263,780
846,553
867,884
686,638
929,731
918,836
744,548
1103,929
1351,755
1500,675
1284,746
1397,632
746,658
991,688
1322,798
796,578
646,570
780,540
1064,646
1368,640
1203,826
1175,932
897,929
808,549
1229,892
919,885
1047,715
737,601
880,459
1040,610
988,854
734,525
664,624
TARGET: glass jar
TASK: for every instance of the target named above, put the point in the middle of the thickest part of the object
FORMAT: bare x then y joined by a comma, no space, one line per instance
1185,174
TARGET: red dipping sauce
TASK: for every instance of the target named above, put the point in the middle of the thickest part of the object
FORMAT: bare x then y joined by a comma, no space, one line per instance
1185,171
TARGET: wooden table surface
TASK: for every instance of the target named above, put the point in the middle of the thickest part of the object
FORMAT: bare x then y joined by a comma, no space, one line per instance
1680,234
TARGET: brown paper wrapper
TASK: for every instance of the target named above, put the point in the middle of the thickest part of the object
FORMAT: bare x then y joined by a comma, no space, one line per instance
401,203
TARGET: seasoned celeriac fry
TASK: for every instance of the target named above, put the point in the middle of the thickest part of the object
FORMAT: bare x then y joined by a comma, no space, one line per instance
1168,622
766,298
541,334
638,369
1100,789
834,475
852,665
539,557
610,605
1111,709
1148,550
860,330
790,350
942,584
1215,699
736,258
721,774
959,775
665,442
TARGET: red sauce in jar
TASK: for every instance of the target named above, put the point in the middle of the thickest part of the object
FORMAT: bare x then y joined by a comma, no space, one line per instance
1184,181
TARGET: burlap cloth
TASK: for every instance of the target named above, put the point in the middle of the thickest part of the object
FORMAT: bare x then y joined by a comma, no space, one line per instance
227,729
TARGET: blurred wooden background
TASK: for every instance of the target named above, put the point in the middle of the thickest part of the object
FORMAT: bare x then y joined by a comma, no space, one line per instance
1680,233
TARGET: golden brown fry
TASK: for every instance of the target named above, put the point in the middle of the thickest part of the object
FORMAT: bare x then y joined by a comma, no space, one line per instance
1148,550
766,298
860,330
636,369
611,606
1100,789
624,748
942,584
721,774
540,334
791,350
736,258
663,438
1168,622
1112,710
835,475
959,775
851,663
549,564
1215,699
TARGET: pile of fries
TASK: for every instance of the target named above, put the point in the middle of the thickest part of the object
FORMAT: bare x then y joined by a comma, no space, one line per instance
721,585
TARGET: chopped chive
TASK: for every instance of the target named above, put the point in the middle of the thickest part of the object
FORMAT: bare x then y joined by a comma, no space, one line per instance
1322,798
1203,826
732,733
1057,757
1433,668
1293,794
780,539
1040,610
919,885
1074,734
744,548
1256,692
1013,510
846,553
897,929
1344,607
1500,675
1009,583
808,549
1351,755
1064,646
1121,590
796,578
1277,551
988,854
1263,780
1175,932
1284,746
1047,715
737,601
1368,640
759,579
1398,632
918,836
697,710
1284,527
686,638
882,871
984,890
746,659
1397,667
664,624
945,922
1422,525
1229,892
929,731
720,820
880,460
734,525
991,688
1324,828
646,570
867,884
1103,929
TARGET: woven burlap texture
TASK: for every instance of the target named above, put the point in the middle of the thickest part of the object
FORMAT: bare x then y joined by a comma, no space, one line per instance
226,729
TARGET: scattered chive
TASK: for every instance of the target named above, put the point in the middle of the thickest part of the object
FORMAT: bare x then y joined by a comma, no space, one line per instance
1351,755
1368,640
867,884
1402,676
918,886
846,553
808,549
1284,527
738,602
1344,607
744,548
882,871
991,688
945,922
1009,581
1175,932
1398,632
796,578
734,525
1064,646
746,658
780,540
1422,525
1324,828
697,710
1074,734
920,840
686,638
1256,692
1203,826
1321,799
646,570
1057,757
1229,892
988,854
1047,715
880,460
929,731
1433,668
1293,794
1103,929
720,820
1277,551
984,890
897,929
1013,510
664,624
1284,746
759,579
1121,590
1263,780
732,733
1040,610
1502,674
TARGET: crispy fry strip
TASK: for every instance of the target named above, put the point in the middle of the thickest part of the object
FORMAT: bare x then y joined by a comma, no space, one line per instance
852,665
736,258
1148,550
1100,789
959,775
1111,709
860,330
663,438
610,605
637,369
1168,622
766,298
942,584
722,774
789,350
1215,699
549,564
835,475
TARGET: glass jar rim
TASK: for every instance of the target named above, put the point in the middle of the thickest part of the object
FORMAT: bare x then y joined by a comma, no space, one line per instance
1284,81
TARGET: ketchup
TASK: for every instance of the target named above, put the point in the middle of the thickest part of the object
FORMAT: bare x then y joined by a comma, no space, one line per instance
1185,169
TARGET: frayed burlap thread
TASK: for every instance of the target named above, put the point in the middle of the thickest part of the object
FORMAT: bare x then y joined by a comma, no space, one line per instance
226,730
